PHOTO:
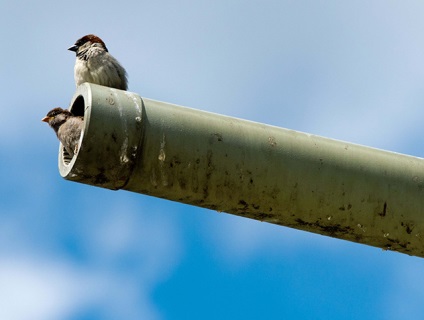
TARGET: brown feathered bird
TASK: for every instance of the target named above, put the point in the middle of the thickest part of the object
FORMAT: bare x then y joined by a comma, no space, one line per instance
95,64
67,127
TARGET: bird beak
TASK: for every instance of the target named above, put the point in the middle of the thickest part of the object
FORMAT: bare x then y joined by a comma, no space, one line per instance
73,48
45,119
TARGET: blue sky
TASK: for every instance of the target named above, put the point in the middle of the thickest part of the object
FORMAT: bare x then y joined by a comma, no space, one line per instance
348,70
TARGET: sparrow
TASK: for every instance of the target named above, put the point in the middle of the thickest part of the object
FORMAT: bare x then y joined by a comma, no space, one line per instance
95,64
67,127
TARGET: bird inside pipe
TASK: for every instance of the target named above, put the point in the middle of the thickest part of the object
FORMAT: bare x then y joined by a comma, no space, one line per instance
68,128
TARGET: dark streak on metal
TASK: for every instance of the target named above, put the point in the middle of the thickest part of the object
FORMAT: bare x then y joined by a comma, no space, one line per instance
383,213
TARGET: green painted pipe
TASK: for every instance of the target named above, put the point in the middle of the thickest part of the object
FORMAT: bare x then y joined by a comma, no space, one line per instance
249,169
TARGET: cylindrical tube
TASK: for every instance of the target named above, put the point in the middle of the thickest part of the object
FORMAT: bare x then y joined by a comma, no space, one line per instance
110,139
249,169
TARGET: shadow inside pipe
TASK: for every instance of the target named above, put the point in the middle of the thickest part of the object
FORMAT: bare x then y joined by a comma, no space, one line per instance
78,106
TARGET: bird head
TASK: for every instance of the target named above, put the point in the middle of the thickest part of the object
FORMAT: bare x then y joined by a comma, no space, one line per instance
56,117
83,44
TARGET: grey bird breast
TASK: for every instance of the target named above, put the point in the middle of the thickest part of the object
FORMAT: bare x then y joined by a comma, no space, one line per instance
69,134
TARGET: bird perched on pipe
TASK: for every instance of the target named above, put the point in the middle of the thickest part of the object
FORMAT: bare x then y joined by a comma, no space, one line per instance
96,65
67,126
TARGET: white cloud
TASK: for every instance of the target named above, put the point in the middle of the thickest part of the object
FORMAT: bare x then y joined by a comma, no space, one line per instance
126,251
34,287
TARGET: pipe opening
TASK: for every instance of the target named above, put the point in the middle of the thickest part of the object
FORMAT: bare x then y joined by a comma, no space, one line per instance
110,137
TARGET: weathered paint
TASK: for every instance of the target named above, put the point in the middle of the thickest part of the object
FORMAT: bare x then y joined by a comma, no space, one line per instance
249,169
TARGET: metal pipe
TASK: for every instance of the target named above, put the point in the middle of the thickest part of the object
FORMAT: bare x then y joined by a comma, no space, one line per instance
253,170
